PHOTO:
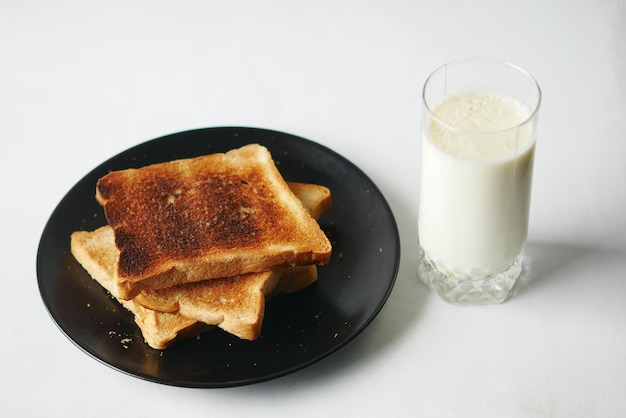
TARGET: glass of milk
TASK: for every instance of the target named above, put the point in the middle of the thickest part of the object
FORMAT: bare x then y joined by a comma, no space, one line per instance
479,129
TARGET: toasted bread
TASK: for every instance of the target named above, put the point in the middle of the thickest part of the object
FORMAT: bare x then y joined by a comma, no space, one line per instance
235,305
294,279
160,330
207,217
94,250
316,199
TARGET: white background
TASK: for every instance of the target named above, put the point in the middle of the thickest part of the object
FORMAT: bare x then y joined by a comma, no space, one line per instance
81,81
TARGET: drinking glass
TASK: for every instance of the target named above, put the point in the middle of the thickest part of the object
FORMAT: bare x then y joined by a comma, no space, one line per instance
479,129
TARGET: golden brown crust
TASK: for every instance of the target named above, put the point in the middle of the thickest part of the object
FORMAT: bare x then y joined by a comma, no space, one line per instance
207,217
294,279
315,198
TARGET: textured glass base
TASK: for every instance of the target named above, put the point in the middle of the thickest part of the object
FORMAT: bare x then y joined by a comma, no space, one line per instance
468,290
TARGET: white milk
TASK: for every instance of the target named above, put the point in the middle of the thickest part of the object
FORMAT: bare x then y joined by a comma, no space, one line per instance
475,188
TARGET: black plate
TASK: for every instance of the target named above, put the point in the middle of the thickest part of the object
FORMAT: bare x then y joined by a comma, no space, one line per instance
298,329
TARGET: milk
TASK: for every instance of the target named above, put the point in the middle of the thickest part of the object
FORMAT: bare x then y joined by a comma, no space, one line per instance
475,183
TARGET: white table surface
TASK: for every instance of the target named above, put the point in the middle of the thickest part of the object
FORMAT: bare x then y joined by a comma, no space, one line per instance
81,81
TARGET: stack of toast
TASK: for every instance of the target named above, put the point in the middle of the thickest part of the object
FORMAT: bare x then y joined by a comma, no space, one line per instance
203,242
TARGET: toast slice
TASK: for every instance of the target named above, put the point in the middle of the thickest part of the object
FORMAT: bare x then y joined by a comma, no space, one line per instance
207,217
236,305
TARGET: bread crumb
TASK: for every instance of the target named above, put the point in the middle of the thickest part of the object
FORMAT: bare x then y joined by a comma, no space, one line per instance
125,342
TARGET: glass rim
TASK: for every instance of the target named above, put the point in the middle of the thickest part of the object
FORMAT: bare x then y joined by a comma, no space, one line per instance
532,115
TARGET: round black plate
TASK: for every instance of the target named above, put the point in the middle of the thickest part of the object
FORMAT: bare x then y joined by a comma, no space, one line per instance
298,330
